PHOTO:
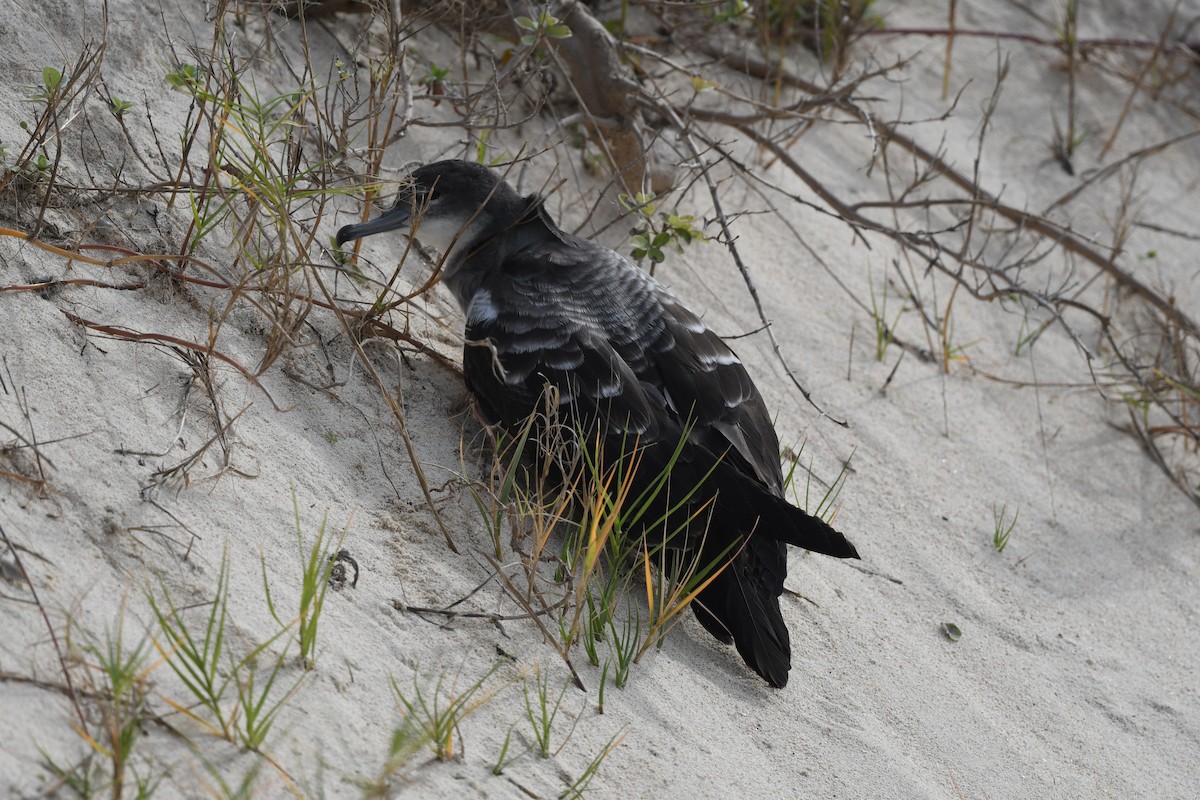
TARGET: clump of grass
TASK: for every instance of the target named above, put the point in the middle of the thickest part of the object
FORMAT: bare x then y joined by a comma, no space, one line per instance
259,706
624,647
117,676
576,790
1065,143
884,332
622,541
407,739
827,27
676,579
504,759
234,697
1003,526
195,653
497,500
256,179
432,714
82,778
541,711
317,565
122,699
620,544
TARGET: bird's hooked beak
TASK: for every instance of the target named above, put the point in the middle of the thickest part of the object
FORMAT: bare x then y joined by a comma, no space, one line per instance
398,217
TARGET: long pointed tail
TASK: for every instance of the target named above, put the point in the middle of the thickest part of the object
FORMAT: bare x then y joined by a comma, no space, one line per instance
743,500
793,526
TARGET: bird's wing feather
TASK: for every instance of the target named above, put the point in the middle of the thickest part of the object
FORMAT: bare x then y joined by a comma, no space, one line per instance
529,327
625,356
698,368
580,317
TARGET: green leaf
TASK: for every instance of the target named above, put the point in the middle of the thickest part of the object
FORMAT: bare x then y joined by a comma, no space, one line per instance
642,202
118,106
185,76
951,631
51,79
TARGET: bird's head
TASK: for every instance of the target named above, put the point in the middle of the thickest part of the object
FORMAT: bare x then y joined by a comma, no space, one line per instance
448,205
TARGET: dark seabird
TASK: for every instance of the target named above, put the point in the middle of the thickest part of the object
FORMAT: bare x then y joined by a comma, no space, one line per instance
625,359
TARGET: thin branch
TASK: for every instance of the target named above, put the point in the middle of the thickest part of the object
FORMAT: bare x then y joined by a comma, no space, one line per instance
62,659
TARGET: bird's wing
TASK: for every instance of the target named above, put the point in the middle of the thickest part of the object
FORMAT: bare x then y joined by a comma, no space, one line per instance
580,317
703,379
531,326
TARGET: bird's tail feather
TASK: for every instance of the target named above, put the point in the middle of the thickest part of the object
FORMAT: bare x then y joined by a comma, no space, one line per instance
792,526
744,499
742,604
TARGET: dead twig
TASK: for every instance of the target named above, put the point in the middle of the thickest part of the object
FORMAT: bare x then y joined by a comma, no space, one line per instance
62,659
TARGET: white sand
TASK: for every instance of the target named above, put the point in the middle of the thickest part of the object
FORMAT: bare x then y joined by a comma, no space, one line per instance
1076,672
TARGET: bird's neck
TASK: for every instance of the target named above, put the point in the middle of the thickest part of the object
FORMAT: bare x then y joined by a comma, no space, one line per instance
494,243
